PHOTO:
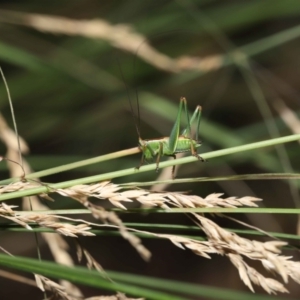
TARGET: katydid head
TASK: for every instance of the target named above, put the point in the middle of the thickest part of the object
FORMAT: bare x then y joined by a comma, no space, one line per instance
148,148
142,144
143,148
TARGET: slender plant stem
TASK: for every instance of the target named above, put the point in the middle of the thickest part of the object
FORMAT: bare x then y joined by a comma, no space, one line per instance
108,176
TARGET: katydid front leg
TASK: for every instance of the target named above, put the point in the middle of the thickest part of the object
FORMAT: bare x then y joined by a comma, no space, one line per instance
141,162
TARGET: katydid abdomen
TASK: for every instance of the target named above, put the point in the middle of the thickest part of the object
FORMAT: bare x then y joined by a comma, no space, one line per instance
151,148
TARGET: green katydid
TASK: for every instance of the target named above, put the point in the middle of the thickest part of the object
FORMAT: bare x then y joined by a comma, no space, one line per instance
175,143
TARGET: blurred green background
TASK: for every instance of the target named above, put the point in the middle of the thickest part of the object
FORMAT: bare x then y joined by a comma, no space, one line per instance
70,90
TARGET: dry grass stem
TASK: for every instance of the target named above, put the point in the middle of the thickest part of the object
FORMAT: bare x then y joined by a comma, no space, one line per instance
118,296
57,290
18,186
44,221
91,262
289,117
219,241
81,194
17,278
111,192
121,36
249,275
232,245
222,242
8,137
16,145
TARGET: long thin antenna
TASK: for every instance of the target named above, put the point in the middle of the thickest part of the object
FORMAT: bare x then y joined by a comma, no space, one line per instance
138,110
136,119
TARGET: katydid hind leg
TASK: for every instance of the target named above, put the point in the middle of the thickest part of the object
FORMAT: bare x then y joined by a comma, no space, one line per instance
173,139
187,131
196,115
194,153
198,112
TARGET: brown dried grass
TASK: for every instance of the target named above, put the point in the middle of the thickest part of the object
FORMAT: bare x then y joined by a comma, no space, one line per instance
238,250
